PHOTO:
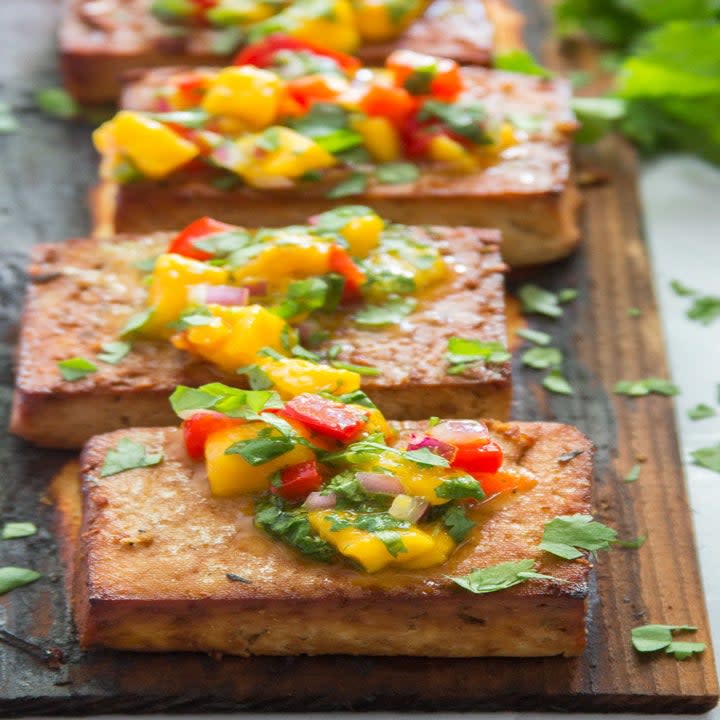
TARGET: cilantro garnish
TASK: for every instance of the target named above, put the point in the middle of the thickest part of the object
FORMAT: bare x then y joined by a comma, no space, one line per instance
333,221
705,309
708,457
261,449
16,530
634,544
353,185
348,490
542,358
15,577
76,368
520,61
534,336
56,102
464,117
652,638
222,244
194,118
391,312
537,300
634,312
456,523
500,577
113,352
231,401
465,352
257,378
633,474
567,295
640,388
364,370
555,382
358,397
460,487
392,541
136,322
193,317
396,173
680,289
563,536
424,456
701,411
128,455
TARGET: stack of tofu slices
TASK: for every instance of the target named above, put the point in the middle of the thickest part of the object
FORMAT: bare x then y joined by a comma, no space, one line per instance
303,217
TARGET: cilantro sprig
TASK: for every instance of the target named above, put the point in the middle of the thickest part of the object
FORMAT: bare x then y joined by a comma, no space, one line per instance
128,454
653,638
463,353
565,535
500,577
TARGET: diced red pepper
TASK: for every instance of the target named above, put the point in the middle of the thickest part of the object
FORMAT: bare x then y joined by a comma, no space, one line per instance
342,264
199,425
497,482
326,417
425,74
261,53
191,87
311,88
394,103
298,481
476,452
182,244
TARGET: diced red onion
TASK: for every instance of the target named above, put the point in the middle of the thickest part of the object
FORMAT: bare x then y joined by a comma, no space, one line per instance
438,447
460,431
313,220
257,289
318,501
380,483
162,105
218,295
407,507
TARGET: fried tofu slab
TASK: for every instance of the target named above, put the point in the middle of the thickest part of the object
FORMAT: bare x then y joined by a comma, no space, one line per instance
99,42
528,192
158,564
83,291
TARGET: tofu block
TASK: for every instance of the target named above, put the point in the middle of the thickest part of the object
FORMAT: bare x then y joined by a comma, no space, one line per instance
153,550
83,291
99,42
528,193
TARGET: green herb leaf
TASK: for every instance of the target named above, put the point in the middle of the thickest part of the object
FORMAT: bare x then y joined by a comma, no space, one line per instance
136,322
634,544
634,312
364,370
57,103
333,221
680,289
555,382
652,638
392,541
633,474
520,61
567,295
397,173
15,530
358,397
464,352
391,312
15,577
708,457
353,185
425,457
8,123
339,141
194,119
464,117
684,650
537,300
499,577
262,449
542,358
231,401
705,309
257,378
456,523
534,336
701,411
597,116
128,455
223,244
460,487
76,368
639,388
563,536
347,489
113,352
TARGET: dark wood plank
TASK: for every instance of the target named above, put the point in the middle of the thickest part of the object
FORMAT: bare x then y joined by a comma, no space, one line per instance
45,171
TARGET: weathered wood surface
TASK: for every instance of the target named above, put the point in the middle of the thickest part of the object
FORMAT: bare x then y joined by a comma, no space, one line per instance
44,174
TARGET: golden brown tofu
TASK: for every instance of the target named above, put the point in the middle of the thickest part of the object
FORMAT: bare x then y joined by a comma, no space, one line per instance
155,549
82,292
528,193
99,42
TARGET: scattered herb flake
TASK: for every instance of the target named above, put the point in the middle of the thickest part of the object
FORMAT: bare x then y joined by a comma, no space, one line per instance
261,449
534,336
456,523
460,487
113,352
237,578
652,638
701,411
464,352
542,358
391,312
136,322
568,456
76,368
499,577
705,309
15,577
257,377
426,457
555,382
57,103
354,185
520,61
16,530
633,474
680,289
633,544
563,536
364,370
396,173
634,312
645,386
127,455
567,295
537,300
708,457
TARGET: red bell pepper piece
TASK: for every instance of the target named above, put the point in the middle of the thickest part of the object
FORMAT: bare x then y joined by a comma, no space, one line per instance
325,417
311,88
476,452
261,53
182,243
425,75
497,482
298,481
342,264
394,103
199,425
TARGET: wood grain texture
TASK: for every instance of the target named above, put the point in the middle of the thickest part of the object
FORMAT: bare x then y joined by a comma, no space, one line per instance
45,170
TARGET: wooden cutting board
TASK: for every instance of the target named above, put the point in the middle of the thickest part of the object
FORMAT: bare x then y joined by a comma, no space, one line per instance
44,174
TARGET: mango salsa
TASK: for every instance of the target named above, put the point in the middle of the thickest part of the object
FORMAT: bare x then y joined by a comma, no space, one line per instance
294,376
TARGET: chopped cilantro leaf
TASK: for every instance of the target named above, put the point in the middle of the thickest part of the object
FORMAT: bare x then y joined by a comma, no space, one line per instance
652,638
705,309
353,185
640,388
16,530
222,244
261,449
464,117
542,358
113,352
634,544
633,474
391,312
396,173
358,397
15,577
534,336
456,523
464,352
563,536
634,312
392,541
424,456
520,61
701,411
127,455
193,119
364,370
680,289
231,401
460,487
136,322
333,221
76,368
708,457
555,382
257,378
56,102
499,577
537,300
348,490
567,295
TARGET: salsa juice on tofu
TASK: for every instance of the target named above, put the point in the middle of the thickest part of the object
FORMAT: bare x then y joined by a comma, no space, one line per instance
257,302
336,24
290,115
331,479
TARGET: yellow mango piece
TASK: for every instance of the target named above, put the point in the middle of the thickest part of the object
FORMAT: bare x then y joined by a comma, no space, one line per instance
380,137
376,421
294,376
443,546
154,148
365,547
244,332
247,93
288,256
375,20
231,474
330,24
172,278
363,234
292,156
451,153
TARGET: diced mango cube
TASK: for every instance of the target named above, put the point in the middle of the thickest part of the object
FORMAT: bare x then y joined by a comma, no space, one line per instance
172,278
379,21
154,148
452,153
232,474
294,376
380,137
363,234
247,93
443,545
